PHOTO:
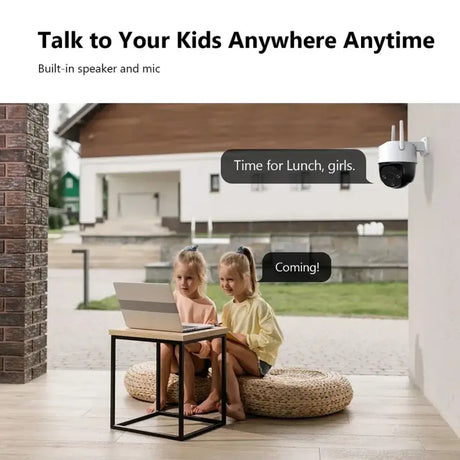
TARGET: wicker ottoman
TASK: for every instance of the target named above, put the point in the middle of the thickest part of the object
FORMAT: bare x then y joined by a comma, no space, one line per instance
295,393
283,393
140,382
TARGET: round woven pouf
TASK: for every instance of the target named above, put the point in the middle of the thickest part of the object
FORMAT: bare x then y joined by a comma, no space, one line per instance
140,382
295,393
282,393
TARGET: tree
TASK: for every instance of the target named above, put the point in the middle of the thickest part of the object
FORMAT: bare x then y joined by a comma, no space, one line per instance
56,164
56,173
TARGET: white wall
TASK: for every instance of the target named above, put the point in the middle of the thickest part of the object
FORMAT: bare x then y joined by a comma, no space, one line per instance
237,202
434,259
88,195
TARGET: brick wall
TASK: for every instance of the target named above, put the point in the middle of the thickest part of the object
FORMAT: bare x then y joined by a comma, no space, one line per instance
23,241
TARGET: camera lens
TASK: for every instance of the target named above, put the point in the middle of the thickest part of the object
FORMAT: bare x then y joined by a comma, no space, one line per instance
391,175
397,175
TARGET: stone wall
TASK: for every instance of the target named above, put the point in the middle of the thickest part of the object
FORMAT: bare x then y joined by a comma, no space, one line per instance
354,258
306,226
23,241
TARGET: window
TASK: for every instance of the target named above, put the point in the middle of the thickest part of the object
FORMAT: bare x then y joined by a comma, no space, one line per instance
304,184
257,184
344,180
215,184
69,182
300,181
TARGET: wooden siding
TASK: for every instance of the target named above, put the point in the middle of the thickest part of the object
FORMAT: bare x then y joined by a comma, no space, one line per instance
145,129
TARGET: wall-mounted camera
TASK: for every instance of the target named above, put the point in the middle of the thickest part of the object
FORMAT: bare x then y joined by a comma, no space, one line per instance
397,159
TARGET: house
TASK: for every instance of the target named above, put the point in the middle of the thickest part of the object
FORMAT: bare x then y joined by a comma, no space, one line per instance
162,162
70,188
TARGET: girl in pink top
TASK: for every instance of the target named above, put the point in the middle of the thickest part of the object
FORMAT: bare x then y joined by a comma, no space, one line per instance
194,307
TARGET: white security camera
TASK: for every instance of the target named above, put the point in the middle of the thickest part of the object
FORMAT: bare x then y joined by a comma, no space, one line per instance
397,159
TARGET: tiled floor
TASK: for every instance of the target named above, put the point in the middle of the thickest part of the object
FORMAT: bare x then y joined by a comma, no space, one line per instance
65,414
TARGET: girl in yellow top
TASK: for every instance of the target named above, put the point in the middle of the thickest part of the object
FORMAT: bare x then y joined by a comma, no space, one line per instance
194,307
256,335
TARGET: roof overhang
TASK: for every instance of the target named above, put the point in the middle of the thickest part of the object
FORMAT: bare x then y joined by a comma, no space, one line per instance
70,128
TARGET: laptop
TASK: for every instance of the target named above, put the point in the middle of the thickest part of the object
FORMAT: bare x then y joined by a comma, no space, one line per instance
152,306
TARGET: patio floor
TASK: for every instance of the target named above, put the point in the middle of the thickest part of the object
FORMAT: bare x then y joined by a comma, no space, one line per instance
65,414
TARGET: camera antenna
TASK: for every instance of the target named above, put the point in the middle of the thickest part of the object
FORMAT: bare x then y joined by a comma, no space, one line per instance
401,135
393,132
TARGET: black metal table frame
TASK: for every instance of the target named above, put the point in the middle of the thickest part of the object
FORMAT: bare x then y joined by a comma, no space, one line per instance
214,423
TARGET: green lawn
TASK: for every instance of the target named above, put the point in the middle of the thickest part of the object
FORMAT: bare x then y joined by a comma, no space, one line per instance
340,299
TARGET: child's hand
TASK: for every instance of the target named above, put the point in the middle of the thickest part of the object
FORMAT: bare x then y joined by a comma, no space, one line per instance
193,347
240,337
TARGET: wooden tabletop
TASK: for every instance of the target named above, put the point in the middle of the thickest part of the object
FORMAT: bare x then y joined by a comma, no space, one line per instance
177,336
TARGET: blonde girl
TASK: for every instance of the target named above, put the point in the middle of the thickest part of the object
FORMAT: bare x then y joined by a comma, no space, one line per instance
194,307
256,335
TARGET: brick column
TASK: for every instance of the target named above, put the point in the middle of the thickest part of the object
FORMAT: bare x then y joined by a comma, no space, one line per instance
23,241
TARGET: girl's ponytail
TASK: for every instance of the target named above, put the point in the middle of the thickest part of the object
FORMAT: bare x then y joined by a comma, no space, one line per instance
252,270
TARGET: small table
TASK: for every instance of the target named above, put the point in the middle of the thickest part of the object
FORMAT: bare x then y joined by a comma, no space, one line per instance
174,338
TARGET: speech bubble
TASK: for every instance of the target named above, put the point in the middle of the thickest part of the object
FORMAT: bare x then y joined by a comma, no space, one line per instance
295,166
296,267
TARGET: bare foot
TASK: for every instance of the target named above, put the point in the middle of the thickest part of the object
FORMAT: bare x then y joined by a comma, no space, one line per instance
153,407
189,407
208,405
234,410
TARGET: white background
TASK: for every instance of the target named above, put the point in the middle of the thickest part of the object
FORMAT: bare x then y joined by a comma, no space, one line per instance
232,75
321,75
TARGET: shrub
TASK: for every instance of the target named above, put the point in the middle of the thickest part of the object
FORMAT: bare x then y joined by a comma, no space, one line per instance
52,222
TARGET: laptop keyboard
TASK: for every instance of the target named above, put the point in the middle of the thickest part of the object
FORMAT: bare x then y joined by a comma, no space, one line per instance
193,328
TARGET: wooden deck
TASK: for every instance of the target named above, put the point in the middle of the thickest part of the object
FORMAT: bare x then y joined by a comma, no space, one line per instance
65,414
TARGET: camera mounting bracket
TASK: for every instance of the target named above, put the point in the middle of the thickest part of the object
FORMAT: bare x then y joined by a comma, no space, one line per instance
420,146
